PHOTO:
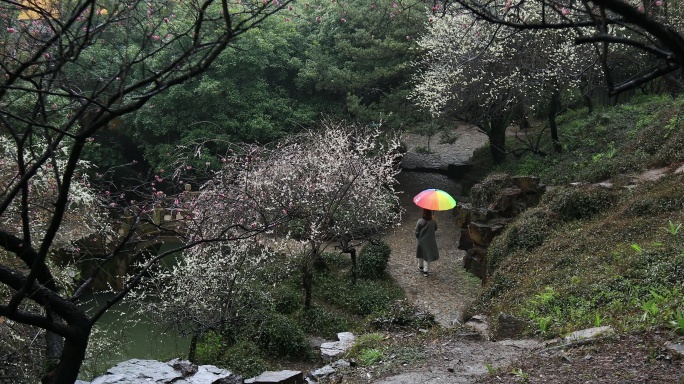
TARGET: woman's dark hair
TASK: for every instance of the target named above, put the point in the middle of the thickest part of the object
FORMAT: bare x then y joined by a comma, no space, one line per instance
427,214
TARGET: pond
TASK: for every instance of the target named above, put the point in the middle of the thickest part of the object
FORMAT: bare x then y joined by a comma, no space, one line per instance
126,335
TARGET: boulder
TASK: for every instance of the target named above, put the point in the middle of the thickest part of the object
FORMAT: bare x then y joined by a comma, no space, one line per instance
509,202
278,377
462,214
335,349
589,334
483,234
527,184
465,242
157,372
675,348
509,327
480,324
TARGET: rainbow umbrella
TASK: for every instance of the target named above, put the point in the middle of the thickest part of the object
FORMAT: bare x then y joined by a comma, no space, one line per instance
435,200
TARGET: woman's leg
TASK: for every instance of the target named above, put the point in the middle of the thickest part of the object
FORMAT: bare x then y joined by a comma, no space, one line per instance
420,263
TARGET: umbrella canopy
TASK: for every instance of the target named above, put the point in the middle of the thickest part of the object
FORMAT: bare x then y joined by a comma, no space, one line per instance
434,200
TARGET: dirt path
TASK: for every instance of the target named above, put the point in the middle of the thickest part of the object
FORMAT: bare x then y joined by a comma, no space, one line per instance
446,291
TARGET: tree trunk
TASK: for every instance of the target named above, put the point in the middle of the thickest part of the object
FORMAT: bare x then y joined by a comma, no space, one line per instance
193,346
54,343
307,283
554,108
497,138
71,358
352,253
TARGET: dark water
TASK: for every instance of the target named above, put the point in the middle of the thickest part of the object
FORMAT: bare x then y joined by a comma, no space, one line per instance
128,335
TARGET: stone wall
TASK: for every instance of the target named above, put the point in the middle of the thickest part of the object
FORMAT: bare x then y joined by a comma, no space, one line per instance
501,199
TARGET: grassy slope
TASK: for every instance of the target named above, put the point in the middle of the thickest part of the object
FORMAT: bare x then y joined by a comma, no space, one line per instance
588,255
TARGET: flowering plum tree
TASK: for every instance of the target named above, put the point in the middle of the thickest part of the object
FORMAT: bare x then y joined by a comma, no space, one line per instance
309,189
489,75
649,31
68,69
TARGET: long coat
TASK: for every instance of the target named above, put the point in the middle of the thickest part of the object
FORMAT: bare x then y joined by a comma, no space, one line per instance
426,245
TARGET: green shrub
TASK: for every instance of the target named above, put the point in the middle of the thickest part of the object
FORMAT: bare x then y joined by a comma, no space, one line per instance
245,359
210,348
319,321
362,298
287,299
281,336
373,260
366,341
527,232
401,314
581,202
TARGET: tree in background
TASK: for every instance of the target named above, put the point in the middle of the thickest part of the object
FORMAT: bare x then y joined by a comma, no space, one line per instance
250,96
56,95
360,52
648,33
490,75
347,59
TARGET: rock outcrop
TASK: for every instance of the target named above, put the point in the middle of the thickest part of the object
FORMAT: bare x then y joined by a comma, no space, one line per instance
175,371
498,203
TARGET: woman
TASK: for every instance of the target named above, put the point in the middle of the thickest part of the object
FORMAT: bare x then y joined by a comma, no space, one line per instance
426,245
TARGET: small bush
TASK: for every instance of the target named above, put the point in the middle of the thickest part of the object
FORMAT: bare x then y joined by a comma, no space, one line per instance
244,359
373,260
370,356
281,336
210,348
401,314
667,196
582,202
527,232
287,299
363,298
366,341
319,321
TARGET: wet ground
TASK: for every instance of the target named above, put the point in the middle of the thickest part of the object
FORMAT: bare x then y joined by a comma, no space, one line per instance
448,288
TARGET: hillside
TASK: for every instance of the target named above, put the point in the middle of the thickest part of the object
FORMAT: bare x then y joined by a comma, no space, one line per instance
603,247
604,244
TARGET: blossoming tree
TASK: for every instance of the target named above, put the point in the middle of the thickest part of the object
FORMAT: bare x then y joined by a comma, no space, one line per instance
649,33
308,190
68,69
490,75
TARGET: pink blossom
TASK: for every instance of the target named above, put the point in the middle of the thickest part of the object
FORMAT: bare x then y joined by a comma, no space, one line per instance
659,3
343,20
565,11
408,37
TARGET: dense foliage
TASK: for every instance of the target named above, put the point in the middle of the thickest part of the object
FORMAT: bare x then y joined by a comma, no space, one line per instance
351,60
